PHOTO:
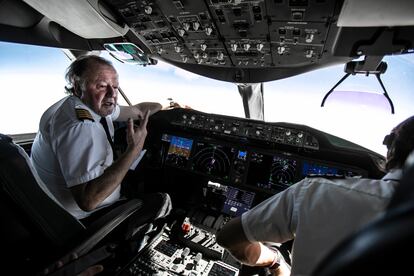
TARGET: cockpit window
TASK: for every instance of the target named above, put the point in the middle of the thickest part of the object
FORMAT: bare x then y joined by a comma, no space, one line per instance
32,79
163,81
356,110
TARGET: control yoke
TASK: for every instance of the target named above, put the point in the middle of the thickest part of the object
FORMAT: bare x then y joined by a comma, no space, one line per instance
370,65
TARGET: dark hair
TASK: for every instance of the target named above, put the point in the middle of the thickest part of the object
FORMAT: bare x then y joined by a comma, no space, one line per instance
76,72
401,144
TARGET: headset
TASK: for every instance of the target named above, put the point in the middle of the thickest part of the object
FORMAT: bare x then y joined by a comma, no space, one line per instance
388,140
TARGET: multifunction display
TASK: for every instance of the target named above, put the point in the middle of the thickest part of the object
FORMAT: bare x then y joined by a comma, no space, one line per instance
271,172
212,159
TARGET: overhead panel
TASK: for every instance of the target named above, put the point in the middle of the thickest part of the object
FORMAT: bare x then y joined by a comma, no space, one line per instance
245,32
193,23
231,33
298,30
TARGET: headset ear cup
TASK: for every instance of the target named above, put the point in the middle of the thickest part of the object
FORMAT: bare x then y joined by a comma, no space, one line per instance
389,139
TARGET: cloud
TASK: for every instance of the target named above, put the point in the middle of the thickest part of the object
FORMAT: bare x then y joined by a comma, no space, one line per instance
165,67
185,74
409,58
162,66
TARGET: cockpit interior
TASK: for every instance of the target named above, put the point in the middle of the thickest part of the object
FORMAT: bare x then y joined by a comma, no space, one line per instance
216,167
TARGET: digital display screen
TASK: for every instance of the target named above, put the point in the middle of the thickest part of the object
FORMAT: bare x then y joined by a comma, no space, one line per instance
237,201
316,169
241,155
313,169
271,172
179,151
212,159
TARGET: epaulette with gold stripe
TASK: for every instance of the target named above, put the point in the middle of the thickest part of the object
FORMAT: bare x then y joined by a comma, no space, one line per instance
83,114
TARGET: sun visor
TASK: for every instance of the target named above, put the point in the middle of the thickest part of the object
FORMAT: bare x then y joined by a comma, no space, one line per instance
376,13
88,19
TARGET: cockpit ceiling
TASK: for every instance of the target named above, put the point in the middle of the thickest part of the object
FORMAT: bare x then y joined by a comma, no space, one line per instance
244,41
232,40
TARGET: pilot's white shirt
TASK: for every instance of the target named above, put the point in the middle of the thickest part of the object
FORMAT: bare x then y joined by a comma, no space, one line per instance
68,151
318,213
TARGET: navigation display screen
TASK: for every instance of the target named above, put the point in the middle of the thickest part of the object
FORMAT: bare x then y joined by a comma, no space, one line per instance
179,151
271,172
212,159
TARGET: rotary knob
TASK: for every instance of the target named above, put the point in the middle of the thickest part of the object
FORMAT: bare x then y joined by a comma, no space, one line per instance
233,47
309,38
148,9
186,26
208,31
181,32
281,50
196,25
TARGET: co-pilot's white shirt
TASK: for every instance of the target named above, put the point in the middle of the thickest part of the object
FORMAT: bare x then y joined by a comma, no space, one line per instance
68,151
318,213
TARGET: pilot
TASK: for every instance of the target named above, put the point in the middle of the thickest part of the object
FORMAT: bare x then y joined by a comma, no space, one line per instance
316,213
73,151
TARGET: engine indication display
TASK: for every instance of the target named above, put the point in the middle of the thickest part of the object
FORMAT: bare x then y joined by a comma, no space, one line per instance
179,151
271,172
212,160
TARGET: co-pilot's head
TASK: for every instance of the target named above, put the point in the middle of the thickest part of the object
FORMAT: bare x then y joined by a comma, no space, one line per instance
400,143
95,81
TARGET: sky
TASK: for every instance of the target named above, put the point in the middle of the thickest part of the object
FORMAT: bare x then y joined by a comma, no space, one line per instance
32,79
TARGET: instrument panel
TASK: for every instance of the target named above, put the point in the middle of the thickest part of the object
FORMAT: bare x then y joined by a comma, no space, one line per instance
245,161
253,168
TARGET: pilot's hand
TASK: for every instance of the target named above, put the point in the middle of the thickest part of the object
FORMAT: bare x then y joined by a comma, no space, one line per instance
283,270
171,105
175,105
136,134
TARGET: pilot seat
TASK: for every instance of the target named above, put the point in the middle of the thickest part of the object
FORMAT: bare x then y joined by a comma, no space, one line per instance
36,230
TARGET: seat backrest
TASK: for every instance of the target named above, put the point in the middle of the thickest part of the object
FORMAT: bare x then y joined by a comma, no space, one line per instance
382,247
32,221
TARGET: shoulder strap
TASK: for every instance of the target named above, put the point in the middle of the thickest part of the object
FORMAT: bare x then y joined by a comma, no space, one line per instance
83,114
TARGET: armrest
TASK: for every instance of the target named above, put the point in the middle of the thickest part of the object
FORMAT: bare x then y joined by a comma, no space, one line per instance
95,233
105,224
